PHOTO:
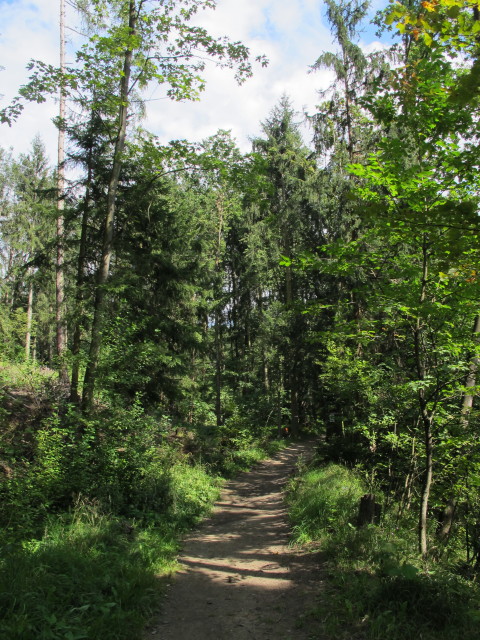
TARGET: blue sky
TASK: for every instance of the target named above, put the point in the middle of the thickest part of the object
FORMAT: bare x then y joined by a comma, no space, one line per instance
292,33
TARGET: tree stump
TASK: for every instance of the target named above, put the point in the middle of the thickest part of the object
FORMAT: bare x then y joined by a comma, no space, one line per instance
369,511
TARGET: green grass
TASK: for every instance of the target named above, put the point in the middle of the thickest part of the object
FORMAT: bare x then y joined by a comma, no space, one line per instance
94,575
323,501
376,587
235,455
241,460
367,606
27,376
84,580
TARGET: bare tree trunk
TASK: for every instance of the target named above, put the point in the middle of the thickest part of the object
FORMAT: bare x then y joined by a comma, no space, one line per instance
266,380
59,275
446,520
292,373
8,278
427,483
28,332
470,382
235,315
406,499
294,409
103,270
218,370
82,252
427,418
218,315
348,108
279,406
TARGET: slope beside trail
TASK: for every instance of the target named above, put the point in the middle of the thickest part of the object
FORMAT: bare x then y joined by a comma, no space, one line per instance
239,579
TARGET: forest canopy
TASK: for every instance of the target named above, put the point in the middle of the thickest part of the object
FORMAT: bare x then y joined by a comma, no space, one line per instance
194,297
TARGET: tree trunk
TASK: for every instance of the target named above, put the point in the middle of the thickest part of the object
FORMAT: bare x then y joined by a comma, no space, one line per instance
291,348
218,316
28,332
427,418
61,339
294,409
470,382
82,254
280,399
103,270
406,498
218,370
427,483
348,108
235,320
446,520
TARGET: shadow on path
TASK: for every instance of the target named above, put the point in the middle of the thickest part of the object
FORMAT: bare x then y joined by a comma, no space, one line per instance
239,579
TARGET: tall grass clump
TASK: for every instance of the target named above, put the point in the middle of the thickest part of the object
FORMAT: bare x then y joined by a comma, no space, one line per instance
369,605
323,502
192,492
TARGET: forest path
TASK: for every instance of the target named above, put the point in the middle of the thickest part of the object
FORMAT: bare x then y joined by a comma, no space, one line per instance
239,579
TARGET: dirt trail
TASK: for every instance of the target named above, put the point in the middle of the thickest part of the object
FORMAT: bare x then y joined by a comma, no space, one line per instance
239,580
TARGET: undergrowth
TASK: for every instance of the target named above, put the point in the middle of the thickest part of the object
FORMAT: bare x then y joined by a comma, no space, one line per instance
376,586
94,574
323,501
92,509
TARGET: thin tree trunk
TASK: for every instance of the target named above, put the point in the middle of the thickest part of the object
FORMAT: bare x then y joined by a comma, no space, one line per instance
61,338
235,316
103,270
266,380
292,367
280,399
28,332
218,315
294,421
427,418
8,279
51,338
446,520
348,109
470,382
218,370
427,483
82,254
406,499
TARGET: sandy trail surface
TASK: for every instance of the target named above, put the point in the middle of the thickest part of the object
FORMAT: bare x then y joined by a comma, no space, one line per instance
239,579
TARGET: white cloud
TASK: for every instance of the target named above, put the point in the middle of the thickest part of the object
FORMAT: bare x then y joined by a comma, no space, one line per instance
29,30
291,33
373,47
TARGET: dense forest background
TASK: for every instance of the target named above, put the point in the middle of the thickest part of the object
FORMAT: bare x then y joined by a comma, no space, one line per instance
179,306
